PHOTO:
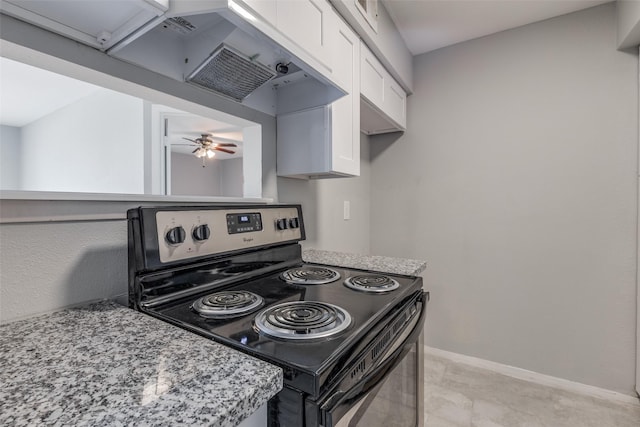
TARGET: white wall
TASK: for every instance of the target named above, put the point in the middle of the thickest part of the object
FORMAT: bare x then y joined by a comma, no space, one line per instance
322,206
9,157
93,145
516,181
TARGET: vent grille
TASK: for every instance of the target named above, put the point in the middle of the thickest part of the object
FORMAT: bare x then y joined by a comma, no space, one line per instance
380,346
230,73
180,25
359,369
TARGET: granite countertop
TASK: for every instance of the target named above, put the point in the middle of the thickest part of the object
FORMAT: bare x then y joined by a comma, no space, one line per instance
104,364
409,267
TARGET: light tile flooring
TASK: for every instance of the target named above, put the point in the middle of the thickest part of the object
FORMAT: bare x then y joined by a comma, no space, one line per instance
459,395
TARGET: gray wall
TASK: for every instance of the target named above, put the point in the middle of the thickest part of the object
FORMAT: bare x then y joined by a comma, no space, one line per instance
323,207
188,177
47,266
232,176
10,155
516,180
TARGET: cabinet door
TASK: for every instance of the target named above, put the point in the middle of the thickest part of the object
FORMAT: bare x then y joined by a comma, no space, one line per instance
395,102
386,100
308,24
345,112
372,77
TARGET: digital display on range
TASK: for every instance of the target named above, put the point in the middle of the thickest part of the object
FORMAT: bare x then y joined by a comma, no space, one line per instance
244,223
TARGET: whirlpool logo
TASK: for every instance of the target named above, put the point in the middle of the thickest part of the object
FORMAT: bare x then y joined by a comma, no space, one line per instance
247,239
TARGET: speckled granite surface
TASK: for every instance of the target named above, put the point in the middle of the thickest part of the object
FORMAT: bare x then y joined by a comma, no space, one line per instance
410,267
107,365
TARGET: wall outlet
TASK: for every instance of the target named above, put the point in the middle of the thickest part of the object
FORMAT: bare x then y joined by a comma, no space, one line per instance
347,210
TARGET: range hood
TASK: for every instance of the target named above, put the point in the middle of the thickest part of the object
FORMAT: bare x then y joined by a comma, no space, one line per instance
212,45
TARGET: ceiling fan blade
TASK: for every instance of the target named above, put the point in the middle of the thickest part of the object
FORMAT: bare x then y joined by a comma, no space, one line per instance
186,145
194,151
223,150
188,139
224,144
224,139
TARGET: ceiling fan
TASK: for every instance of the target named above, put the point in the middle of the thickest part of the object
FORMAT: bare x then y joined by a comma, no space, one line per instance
207,145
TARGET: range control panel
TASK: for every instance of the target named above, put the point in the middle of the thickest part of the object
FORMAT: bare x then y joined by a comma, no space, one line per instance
184,234
244,222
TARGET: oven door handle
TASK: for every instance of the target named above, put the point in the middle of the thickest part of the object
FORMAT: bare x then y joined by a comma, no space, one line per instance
375,378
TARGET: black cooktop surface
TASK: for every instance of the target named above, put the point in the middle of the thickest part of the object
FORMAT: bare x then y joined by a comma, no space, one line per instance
313,356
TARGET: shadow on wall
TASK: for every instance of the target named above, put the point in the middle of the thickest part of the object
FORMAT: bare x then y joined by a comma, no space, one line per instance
380,143
101,272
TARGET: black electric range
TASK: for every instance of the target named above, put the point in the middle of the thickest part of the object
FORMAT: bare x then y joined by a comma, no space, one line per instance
235,274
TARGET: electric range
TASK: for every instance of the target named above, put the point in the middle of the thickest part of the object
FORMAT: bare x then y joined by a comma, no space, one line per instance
235,274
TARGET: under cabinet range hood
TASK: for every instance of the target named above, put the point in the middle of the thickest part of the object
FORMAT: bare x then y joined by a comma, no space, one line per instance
219,47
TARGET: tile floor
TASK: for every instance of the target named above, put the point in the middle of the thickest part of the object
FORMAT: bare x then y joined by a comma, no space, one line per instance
459,395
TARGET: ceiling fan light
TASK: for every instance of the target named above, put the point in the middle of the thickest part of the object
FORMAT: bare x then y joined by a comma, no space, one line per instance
200,153
210,153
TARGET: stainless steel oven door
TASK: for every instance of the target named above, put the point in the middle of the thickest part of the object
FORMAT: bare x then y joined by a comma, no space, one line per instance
389,396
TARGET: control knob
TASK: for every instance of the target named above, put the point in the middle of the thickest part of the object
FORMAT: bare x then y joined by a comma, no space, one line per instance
201,233
294,223
175,236
281,224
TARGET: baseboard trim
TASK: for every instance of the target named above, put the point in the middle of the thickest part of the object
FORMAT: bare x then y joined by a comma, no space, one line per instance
535,377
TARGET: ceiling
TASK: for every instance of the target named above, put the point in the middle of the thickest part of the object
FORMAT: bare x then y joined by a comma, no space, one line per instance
427,25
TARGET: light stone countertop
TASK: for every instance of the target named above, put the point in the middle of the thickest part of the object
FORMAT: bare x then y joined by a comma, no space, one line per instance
383,264
104,364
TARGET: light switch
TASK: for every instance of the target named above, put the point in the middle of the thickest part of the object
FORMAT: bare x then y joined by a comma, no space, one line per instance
347,210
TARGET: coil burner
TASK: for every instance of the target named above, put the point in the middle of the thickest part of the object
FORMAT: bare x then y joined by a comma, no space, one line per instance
310,275
227,304
372,283
302,320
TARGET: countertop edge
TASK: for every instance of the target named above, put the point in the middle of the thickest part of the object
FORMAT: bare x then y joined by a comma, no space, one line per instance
383,264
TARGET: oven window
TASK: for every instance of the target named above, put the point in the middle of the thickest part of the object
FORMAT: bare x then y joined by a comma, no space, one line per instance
393,404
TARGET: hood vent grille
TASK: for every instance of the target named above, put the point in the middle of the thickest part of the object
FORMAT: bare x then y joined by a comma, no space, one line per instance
180,25
230,73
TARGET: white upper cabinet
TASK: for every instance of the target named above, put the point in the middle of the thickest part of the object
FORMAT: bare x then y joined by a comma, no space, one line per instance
307,23
345,112
384,102
97,23
371,21
304,22
325,142
372,77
